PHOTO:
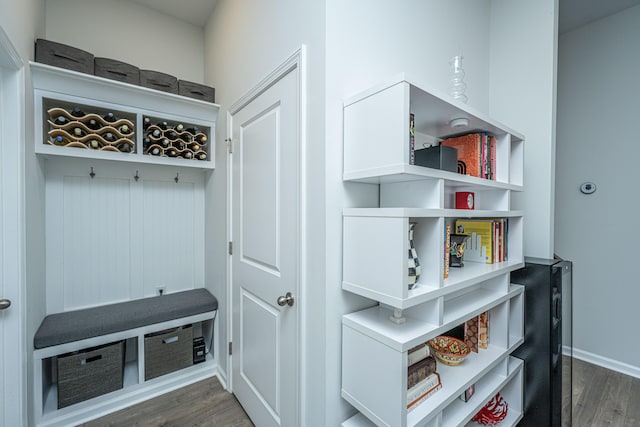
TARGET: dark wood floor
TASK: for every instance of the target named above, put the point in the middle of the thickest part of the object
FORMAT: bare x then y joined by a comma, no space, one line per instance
601,398
604,398
204,403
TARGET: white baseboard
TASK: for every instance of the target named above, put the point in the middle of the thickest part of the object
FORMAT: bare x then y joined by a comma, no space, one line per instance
605,362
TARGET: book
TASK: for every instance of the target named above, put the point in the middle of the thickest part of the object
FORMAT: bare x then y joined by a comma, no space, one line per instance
492,157
479,246
420,370
471,333
483,330
418,353
447,249
421,391
412,139
469,153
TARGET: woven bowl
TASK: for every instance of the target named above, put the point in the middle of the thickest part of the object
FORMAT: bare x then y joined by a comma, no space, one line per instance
450,351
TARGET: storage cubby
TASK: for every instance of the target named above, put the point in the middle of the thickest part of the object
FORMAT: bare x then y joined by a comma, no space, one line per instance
168,138
377,150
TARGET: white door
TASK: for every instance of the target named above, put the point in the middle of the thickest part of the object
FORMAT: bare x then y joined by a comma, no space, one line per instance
12,345
266,250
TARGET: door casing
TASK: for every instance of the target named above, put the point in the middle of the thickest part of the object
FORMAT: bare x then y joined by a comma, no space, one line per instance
297,61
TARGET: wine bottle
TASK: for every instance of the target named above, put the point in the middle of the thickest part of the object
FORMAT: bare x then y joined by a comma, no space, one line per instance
156,133
146,122
109,137
165,142
201,138
124,129
179,127
202,156
178,144
60,140
193,130
124,147
93,124
77,112
154,151
146,142
172,152
109,117
61,120
187,154
172,134
79,132
186,137
195,147
94,143
163,125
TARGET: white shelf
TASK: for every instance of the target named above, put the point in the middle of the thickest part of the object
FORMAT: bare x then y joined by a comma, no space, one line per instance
374,322
428,213
405,173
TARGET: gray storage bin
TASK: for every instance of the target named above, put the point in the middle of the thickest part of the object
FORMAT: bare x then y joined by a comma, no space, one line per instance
168,351
90,373
116,70
63,56
196,91
159,81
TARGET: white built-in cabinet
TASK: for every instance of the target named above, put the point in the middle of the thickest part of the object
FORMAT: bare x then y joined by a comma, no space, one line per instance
375,247
118,226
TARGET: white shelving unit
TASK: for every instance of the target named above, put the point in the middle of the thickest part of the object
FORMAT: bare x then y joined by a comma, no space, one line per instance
375,247
53,85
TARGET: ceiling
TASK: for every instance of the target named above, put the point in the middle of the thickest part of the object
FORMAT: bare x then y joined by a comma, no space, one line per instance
195,12
573,13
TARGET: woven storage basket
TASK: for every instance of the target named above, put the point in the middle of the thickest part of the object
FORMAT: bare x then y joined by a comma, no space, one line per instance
167,351
90,373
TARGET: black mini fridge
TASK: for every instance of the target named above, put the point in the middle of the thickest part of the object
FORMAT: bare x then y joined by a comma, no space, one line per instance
547,336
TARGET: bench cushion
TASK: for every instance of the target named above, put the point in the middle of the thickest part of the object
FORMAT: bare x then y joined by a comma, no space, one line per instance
61,328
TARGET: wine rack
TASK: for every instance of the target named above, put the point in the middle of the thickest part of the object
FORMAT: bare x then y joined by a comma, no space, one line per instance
166,138
83,126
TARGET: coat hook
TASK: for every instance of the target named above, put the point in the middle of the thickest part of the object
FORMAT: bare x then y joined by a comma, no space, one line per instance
137,177
92,174
176,178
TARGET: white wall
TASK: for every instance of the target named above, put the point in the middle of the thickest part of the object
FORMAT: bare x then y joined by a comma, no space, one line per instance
598,105
523,71
128,32
244,42
23,21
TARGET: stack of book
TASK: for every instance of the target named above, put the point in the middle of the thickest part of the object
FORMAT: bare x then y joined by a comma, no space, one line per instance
422,378
476,154
487,241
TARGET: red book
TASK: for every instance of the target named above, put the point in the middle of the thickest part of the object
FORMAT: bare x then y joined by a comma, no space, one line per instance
469,153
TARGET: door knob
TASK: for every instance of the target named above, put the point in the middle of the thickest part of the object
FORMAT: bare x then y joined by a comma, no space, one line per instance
285,300
5,303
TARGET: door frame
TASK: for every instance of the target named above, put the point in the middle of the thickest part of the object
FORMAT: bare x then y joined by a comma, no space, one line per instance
12,143
295,63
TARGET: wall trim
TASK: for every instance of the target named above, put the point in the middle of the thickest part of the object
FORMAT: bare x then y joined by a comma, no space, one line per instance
605,362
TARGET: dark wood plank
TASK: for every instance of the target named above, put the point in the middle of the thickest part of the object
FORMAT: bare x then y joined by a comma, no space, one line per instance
585,407
632,413
615,398
204,403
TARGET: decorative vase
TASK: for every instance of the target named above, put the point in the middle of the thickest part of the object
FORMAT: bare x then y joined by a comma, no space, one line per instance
414,263
457,86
